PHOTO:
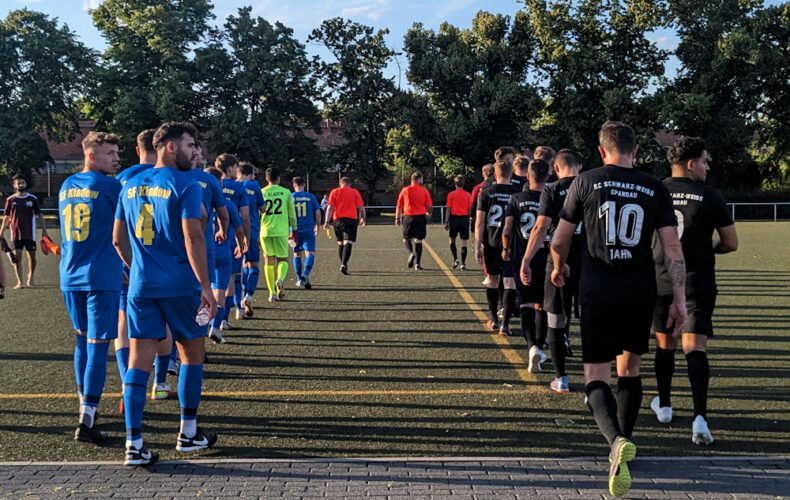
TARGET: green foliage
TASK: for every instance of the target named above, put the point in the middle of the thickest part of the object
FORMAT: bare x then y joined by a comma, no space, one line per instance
43,70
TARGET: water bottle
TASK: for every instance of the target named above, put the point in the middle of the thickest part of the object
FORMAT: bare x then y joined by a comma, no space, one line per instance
328,234
202,318
291,242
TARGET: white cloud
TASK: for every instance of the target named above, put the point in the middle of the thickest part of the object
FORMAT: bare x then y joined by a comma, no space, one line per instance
664,42
301,17
90,4
372,10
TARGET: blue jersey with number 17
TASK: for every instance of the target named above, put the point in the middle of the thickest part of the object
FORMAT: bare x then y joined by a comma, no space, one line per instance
305,206
88,262
153,204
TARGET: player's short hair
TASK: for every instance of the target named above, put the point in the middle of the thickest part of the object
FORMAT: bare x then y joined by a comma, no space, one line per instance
198,144
298,181
488,170
617,136
503,151
145,140
520,162
685,149
247,168
172,131
503,168
459,181
19,177
225,161
345,181
272,174
538,171
94,139
545,153
215,172
415,176
567,159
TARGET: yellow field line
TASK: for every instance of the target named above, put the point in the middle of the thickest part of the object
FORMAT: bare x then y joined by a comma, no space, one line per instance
513,357
287,394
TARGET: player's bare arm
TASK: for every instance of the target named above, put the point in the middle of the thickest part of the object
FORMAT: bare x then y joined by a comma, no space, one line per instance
676,267
240,241
43,222
224,220
330,210
245,220
195,243
728,240
397,215
507,236
535,242
317,219
560,246
362,216
120,240
479,221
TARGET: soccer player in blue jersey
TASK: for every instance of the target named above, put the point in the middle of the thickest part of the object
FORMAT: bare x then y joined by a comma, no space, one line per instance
90,270
308,217
158,234
235,192
251,270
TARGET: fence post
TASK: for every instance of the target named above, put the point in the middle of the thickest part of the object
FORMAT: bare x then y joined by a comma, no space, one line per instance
441,214
774,212
733,212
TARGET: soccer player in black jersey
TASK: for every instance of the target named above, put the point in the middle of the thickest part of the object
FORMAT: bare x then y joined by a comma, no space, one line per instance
547,154
699,210
557,302
518,173
621,208
489,223
520,217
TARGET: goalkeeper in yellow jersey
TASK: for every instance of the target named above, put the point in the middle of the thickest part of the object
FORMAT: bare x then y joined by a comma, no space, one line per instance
278,224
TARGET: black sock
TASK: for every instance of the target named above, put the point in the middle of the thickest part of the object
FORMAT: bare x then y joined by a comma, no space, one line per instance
408,246
418,251
454,251
509,300
629,399
601,402
501,291
340,253
528,325
492,295
346,253
665,368
699,374
556,340
463,255
541,327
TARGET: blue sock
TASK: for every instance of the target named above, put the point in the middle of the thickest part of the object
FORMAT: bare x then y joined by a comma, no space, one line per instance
174,352
190,385
122,357
308,265
252,281
237,296
95,372
216,321
134,388
160,368
245,275
298,266
228,305
80,361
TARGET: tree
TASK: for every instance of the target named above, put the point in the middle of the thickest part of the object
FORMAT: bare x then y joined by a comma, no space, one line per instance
357,94
475,85
43,69
259,80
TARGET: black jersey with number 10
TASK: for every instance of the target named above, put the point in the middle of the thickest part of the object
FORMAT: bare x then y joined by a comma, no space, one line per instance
621,208
493,201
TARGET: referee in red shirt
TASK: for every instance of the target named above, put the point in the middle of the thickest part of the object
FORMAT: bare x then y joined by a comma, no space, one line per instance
414,202
346,211
457,219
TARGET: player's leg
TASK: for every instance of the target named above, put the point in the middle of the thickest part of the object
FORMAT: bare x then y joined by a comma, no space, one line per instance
557,320
349,237
251,274
453,247
629,391
464,234
77,306
220,279
695,347
419,232
282,272
18,263
229,291
308,247
238,294
492,259
299,257
664,361
508,299
31,262
161,389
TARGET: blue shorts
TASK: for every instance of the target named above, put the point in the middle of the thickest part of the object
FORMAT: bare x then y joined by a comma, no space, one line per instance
211,260
254,252
122,298
94,313
149,318
220,278
305,242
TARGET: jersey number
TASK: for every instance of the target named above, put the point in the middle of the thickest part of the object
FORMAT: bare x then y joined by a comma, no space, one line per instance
301,209
495,216
273,207
627,228
76,221
144,229
527,223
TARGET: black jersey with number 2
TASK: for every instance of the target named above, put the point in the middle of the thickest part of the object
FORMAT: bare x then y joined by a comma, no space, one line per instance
621,209
493,201
551,201
699,209
523,207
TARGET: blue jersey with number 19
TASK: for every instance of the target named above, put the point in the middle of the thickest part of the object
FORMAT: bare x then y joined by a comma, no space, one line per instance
305,206
88,262
153,204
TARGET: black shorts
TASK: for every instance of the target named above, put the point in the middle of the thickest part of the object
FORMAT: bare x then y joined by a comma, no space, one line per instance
414,227
560,300
700,314
492,259
345,229
532,293
29,245
609,329
459,226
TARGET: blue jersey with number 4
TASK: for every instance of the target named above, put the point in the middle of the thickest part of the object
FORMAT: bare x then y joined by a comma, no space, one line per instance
305,206
88,261
153,204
